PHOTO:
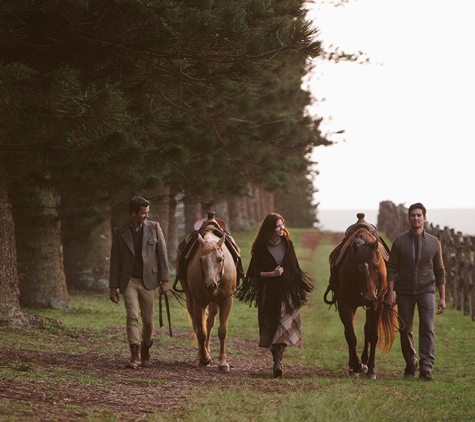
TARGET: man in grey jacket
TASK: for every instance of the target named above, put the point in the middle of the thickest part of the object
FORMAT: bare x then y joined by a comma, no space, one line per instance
138,265
415,270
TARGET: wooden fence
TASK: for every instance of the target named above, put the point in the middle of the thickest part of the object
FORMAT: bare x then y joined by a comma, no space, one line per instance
457,251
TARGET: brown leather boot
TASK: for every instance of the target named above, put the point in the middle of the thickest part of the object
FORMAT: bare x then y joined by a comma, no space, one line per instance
135,358
145,352
278,353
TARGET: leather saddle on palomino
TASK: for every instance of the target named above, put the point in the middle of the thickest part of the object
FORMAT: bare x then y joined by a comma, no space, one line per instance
337,254
187,248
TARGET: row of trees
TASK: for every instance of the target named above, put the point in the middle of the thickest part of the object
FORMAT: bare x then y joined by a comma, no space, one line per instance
104,99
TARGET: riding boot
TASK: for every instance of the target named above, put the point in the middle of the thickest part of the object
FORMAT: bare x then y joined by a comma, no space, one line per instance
278,353
145,352
135,358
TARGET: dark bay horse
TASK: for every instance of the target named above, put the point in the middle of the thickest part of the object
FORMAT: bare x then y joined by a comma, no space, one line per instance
358,278
211,279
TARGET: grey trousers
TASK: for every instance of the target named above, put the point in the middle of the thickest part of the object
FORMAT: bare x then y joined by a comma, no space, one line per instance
426,309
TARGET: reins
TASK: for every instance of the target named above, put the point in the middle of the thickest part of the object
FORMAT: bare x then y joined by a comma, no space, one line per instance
179,299
400,321
160,312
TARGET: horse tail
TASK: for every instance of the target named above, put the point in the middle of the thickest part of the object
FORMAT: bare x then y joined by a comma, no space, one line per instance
387,328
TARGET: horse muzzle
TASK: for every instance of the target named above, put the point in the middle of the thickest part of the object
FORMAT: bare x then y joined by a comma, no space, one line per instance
211,287
370,303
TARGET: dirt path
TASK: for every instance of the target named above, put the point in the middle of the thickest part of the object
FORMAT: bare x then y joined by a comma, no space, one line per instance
312,239
166,386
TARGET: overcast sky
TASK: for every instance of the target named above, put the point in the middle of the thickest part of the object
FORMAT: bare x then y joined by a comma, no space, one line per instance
408,116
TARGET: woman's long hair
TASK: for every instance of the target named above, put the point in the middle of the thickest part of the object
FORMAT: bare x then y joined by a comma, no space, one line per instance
291,288
267,228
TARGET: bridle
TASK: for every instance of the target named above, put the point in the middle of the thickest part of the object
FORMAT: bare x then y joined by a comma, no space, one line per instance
376,301
221,269
221,261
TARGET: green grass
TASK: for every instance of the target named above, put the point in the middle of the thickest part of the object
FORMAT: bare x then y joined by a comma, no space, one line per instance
323,393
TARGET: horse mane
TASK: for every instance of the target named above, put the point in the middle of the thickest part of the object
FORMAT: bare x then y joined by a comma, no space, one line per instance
366,240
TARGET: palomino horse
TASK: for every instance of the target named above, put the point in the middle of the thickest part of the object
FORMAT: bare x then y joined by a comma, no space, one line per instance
359,279
211,279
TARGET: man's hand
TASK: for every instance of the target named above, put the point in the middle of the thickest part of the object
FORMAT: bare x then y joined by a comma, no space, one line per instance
390,300
441,305
114,295
163,287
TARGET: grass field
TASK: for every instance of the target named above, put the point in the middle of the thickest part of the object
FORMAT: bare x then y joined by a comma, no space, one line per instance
316,385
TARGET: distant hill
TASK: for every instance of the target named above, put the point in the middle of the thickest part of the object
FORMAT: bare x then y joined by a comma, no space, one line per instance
462,220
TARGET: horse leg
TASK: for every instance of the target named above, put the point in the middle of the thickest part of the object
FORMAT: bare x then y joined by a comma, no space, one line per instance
366,349
367,336
371,340
200,330
189,307
212,312
347,315
224,312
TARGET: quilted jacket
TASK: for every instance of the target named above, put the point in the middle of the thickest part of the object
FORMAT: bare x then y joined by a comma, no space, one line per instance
416,270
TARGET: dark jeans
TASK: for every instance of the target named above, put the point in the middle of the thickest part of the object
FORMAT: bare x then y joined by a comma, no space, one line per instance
426,309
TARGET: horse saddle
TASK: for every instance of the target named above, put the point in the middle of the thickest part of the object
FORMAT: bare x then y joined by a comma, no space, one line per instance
188,246
351,234
211,221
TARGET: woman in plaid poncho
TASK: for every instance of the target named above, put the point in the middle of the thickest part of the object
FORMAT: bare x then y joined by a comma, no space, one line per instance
277,286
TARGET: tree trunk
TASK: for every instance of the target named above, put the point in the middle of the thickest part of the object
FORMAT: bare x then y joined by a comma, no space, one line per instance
172,239
119,214
86,244
160,203
192,212
253,205
270,203
10,312
238,218
41,274
159,207
221,209
266,203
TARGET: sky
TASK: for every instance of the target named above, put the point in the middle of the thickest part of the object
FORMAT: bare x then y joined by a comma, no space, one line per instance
408,115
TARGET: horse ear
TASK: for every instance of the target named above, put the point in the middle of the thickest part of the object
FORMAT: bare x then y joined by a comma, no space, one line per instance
221,241
376,245
201,240
354,247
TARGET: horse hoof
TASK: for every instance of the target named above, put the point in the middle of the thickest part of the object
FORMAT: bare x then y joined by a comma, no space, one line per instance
364,369
370,376
353,374
223,368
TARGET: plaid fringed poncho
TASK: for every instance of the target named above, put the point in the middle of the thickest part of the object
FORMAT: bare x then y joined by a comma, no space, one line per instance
268,294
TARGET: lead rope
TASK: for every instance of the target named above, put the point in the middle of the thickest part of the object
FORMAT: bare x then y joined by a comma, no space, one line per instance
160,312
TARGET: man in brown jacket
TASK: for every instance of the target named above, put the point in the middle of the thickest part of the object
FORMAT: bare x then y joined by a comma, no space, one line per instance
415,270
138,265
